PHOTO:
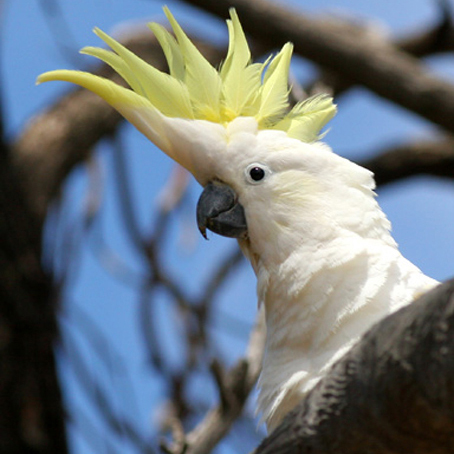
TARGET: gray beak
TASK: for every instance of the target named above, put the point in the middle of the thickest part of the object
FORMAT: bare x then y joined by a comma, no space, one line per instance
219,211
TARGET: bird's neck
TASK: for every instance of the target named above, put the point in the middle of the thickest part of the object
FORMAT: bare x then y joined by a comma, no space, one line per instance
318,301
318,291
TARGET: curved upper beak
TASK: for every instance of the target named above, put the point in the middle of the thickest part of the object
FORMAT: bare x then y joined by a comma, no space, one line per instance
219,211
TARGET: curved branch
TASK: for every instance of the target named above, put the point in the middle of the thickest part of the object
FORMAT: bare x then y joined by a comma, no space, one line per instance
420,158
435,40
239,382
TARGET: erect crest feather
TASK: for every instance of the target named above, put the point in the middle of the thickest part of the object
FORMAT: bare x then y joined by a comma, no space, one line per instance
194,89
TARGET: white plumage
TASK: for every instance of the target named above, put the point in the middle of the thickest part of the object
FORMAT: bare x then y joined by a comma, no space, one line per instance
327,267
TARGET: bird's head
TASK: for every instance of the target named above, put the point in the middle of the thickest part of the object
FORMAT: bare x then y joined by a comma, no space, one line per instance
232,128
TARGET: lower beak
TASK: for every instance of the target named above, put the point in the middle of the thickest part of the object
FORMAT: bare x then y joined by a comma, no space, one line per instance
219,211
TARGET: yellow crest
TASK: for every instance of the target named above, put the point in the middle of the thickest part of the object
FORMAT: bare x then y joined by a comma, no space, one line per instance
194,89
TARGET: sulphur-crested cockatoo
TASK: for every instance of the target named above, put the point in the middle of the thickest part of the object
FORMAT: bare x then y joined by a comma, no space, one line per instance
327,267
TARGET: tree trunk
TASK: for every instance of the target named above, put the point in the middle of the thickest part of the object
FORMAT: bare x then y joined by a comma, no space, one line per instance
31,412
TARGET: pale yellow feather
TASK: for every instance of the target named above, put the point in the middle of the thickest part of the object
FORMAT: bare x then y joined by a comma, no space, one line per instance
166,93
202,80
274,92
118,64
111,92
194,89
171,50
308,117
239,77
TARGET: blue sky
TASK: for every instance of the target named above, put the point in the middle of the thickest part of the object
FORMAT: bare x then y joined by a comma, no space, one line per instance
421,210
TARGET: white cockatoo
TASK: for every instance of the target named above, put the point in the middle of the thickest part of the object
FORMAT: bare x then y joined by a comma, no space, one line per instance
327,267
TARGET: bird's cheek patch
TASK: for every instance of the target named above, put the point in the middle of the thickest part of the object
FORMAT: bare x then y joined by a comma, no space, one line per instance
292,188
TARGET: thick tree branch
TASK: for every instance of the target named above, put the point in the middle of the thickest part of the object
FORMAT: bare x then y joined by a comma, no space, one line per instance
377,65
435,40
393,393
31,412
428,157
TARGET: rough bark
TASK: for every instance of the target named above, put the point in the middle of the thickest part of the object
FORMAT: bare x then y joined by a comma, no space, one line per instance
393,393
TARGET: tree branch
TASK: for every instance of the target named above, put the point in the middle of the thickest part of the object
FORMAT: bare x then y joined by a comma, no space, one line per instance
236,385
392,393
428,157
435,40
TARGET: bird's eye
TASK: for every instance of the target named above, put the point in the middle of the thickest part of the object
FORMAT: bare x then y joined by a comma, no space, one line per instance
255,173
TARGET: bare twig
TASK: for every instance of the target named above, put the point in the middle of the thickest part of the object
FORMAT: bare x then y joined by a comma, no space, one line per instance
434,40
178,444
220,274
61,31
225,395
125,196
173,193
238,381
